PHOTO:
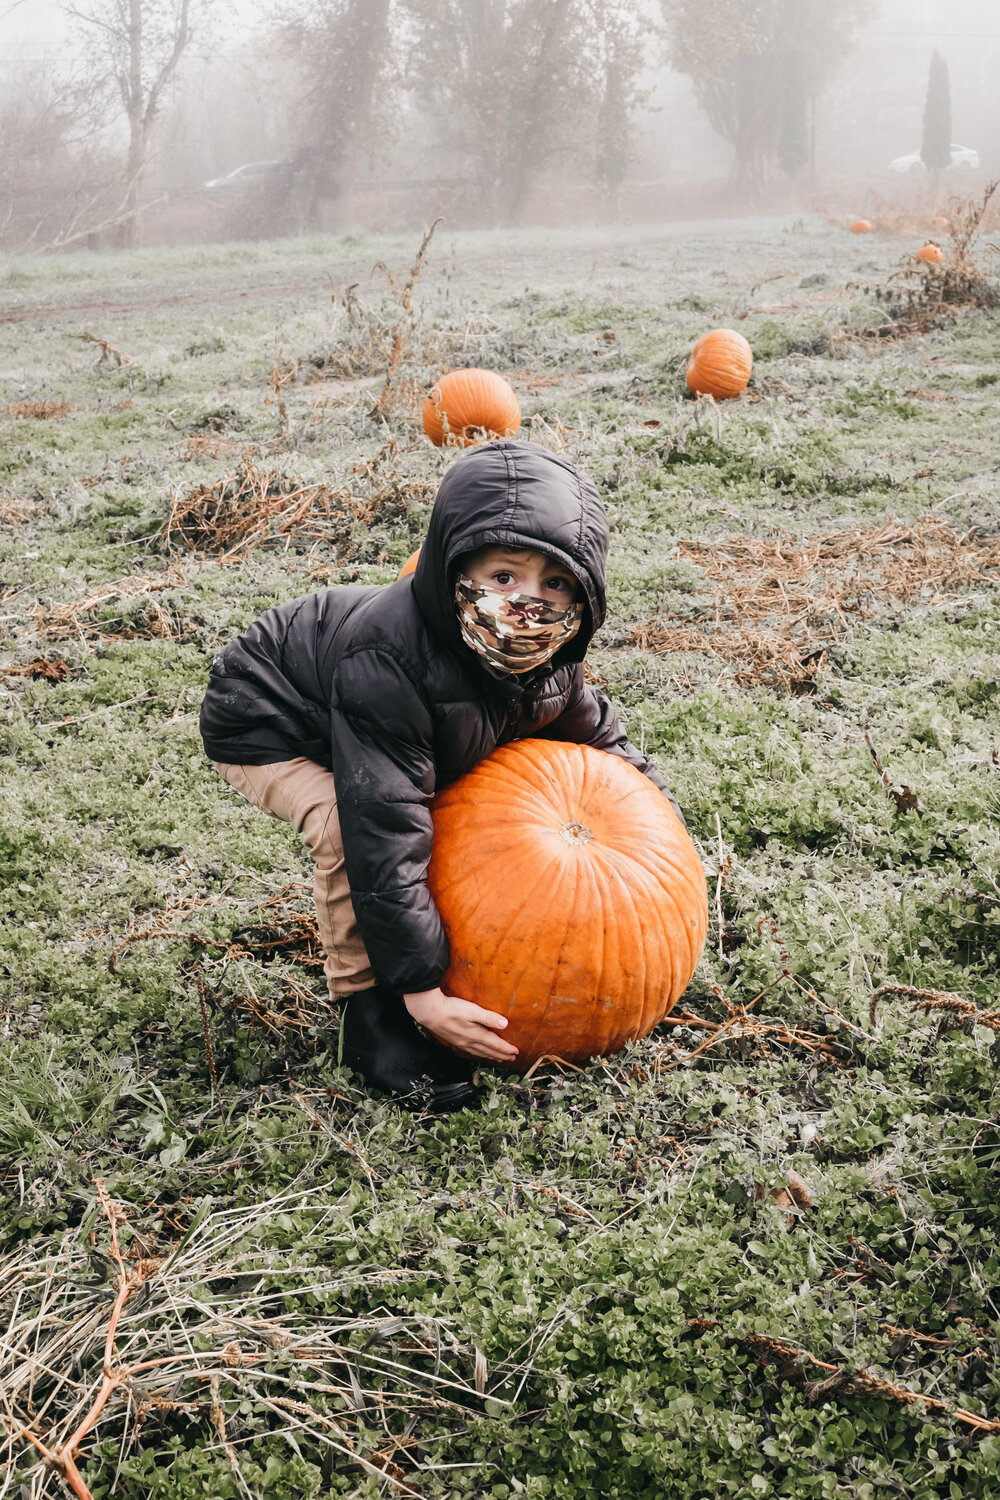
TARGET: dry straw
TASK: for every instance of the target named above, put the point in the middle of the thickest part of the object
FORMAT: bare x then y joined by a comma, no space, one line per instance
780,602
39,411
201,1330
76,619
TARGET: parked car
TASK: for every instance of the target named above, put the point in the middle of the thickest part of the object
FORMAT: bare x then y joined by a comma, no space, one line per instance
961,156
253,174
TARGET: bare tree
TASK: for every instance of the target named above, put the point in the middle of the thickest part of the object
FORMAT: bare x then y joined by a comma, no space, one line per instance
54,166
342,51
517,84
755,68
134,48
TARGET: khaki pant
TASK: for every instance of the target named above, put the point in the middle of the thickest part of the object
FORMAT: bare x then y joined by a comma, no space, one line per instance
302,793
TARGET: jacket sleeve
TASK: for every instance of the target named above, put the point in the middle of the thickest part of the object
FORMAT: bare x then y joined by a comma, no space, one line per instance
589,719
384,771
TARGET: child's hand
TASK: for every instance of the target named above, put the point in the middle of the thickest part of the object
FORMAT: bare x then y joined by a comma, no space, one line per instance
465,1026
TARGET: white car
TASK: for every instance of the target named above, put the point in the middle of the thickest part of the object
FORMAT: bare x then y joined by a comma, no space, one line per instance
961,156
253,174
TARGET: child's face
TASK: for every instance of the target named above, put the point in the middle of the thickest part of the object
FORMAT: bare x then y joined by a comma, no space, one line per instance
509,571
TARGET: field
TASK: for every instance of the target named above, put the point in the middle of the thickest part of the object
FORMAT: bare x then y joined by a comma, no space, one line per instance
755,1254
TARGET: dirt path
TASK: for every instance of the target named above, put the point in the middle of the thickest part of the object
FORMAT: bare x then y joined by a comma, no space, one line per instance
202,294
530,257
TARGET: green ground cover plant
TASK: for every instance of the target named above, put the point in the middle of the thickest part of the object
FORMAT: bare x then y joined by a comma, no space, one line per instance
755,1254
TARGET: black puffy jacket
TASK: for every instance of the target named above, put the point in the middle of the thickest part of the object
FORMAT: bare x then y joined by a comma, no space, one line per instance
375,683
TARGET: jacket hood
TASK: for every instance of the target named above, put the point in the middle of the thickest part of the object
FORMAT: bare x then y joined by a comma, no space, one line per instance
514,495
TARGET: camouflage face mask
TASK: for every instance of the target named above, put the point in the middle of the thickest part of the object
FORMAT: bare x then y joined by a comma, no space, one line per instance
512,633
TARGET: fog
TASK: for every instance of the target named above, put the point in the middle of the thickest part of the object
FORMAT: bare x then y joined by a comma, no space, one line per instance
381,114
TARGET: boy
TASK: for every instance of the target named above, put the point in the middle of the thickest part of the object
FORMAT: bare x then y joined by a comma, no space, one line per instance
343,712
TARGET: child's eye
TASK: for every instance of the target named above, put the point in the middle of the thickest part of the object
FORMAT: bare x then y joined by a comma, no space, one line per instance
503,576
557,583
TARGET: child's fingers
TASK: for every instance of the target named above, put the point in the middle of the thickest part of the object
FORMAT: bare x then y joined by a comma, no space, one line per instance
493,1046
468,1009
482,1042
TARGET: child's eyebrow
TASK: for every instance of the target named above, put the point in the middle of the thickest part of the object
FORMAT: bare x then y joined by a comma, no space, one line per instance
551,566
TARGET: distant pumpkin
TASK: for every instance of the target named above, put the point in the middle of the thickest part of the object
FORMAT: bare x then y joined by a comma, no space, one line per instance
470,406
861,226
720,364
931,254
940,222
410,565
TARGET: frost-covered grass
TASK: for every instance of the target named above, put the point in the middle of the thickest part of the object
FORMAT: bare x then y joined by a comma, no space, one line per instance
572,1230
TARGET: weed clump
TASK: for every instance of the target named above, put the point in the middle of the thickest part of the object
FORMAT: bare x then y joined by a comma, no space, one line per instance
254,506
919,297
38,411
378,338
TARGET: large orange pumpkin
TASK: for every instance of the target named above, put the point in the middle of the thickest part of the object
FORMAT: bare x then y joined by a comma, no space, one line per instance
468,406
931,254
861,226
720,364
573,898
410,565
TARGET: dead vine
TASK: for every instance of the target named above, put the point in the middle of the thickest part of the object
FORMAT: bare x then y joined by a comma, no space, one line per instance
78,618
403,328
274,933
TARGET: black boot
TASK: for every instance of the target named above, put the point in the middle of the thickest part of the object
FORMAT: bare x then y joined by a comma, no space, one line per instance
382,1042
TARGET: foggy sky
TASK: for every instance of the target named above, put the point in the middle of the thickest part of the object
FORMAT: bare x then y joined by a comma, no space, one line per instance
869,113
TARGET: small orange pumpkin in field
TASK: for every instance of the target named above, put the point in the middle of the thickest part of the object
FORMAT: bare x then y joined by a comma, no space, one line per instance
468,406
720,364
410,565
940,222
573,898
931,254
861,226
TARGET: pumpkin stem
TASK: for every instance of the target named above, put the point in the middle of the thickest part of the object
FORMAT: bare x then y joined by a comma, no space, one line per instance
576,833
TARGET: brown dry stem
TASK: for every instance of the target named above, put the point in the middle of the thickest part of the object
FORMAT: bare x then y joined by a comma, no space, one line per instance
108,351
904,797
792,1364
403,328
206,1030
943,1000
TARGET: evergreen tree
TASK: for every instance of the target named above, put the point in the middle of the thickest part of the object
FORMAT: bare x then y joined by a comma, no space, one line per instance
935,148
